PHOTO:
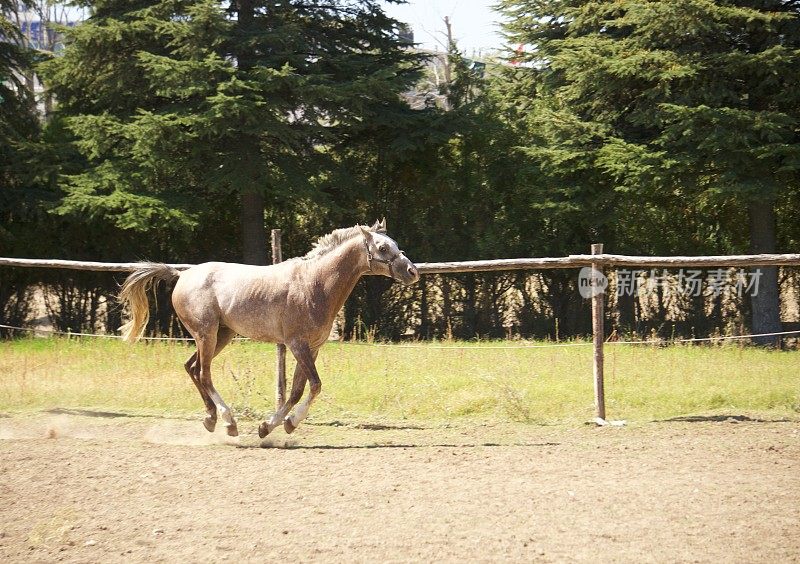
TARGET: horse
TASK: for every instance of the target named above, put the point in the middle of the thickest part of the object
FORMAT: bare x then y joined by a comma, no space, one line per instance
293,303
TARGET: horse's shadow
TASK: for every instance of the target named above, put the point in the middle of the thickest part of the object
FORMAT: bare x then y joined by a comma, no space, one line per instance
288,445
101,414
720,419
369,426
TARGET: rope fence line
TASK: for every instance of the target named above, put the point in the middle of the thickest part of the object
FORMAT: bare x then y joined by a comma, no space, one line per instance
96,335
431,346
659,342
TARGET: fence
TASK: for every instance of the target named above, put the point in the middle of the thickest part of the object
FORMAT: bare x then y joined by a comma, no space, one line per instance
596,260
571,261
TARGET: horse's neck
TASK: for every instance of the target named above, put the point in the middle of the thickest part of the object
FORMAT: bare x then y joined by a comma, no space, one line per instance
340,270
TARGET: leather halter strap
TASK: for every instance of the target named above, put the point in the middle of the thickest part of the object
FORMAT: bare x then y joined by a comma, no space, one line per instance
389,262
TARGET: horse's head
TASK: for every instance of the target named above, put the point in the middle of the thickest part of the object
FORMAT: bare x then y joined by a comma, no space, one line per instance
385,257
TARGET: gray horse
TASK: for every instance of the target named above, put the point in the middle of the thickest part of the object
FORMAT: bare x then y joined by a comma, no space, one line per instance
294,303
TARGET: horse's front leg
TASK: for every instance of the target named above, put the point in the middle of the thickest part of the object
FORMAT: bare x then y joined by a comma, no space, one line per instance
305,370
306,356
280,383
298,385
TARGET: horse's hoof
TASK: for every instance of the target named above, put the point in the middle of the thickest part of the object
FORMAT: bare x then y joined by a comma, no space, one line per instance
288,426
232,430
210,423
263,430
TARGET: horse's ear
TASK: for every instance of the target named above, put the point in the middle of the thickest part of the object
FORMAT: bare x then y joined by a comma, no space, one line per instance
379,226
364,233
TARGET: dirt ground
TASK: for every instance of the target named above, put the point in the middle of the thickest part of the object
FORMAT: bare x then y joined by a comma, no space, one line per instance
90,487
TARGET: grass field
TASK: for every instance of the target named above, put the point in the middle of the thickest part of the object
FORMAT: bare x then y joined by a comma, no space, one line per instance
425,382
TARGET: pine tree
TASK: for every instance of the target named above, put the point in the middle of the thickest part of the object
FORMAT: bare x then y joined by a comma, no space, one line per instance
18,124
685,101
17,111
18,128
181,105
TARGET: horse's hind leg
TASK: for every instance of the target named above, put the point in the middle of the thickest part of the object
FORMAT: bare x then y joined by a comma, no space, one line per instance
224,336
207,348
193,368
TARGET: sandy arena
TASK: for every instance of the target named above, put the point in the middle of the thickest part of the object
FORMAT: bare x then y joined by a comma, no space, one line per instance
90,487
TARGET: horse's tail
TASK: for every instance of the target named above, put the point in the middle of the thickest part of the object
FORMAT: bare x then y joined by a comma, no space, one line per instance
134,293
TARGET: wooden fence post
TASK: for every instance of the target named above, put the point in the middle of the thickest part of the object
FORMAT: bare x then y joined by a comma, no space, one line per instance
598,334
280,365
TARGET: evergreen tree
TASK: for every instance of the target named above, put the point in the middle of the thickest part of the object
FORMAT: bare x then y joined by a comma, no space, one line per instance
19,128
680,103
18,123
182,105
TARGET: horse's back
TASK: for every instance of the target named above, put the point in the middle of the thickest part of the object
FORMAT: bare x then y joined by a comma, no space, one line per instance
239,296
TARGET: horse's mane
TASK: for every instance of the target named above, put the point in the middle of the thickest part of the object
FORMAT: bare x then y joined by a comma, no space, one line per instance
327,243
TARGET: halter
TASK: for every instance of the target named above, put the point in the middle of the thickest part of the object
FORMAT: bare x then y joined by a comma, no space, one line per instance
389,262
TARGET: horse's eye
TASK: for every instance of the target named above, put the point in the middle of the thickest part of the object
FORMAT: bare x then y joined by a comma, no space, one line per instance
382,247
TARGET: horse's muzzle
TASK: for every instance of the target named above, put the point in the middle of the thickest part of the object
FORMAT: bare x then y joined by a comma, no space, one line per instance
409,274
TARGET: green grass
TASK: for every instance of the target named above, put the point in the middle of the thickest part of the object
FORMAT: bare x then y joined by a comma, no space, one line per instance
479,381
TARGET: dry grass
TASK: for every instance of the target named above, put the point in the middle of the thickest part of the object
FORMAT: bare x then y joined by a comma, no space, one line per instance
542,385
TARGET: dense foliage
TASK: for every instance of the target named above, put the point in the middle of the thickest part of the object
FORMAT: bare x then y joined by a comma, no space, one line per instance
183,130
18,129
689,107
